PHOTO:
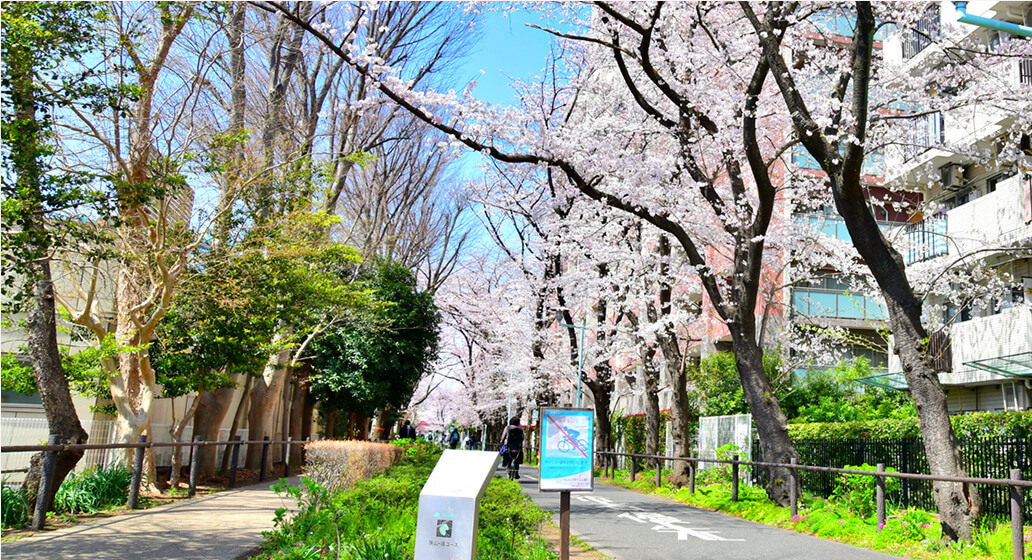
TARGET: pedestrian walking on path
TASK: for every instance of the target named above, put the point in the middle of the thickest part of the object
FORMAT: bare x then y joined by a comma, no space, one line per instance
626,525
222,526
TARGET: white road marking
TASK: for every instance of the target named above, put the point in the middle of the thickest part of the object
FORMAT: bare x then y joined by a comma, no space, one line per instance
660,523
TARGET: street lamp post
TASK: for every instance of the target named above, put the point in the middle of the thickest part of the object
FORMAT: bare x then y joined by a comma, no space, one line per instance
580,350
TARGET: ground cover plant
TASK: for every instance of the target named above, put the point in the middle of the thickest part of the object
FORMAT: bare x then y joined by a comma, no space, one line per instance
14,508
376,518
93,490
910,533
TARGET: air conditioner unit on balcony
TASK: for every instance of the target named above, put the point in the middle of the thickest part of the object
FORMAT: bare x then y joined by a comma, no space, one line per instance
952,177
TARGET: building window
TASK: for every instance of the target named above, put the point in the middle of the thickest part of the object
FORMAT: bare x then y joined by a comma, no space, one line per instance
926,239
1025,71
993,182
920,36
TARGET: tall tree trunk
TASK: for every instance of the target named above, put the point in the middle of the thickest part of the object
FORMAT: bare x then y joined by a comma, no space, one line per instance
771,422
238,418
652,416
212,408
331,424
958,504
265,397
40,321
307,415
176,433
383,425
41,339
297,413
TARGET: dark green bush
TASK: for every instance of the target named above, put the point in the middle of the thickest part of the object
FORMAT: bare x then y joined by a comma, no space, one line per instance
93,490
1007,425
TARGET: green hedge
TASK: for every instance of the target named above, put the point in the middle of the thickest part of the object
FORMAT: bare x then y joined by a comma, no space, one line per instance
634,432
1007,425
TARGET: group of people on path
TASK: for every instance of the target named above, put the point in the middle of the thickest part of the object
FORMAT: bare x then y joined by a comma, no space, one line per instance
511,445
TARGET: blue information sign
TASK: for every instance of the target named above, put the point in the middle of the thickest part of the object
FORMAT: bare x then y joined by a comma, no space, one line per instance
567,449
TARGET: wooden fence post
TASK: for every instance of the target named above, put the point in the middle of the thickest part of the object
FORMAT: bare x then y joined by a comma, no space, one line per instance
134,484
265,458
1017,521
659,473
195,458
234,459
879,492
793,491
46,484
692,467
734,478
634,468
286,457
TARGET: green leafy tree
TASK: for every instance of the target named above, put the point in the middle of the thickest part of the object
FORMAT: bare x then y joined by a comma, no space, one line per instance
44,44
364,367
716,386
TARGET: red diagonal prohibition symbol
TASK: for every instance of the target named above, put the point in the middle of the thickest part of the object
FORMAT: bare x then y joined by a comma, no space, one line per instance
552,420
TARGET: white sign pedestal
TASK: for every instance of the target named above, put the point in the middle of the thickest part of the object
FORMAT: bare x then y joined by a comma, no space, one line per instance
449,505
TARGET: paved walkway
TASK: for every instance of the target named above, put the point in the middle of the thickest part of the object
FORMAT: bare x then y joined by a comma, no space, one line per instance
221,526
626,525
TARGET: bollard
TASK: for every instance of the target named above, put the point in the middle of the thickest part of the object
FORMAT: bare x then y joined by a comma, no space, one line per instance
634,469
46,484
1017,521
734,478
265,458
793,491
195,458
659,473
134,484
234,459
691,477
879,493
286,457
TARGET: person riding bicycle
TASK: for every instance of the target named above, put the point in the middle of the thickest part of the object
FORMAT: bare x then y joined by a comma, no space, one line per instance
512,442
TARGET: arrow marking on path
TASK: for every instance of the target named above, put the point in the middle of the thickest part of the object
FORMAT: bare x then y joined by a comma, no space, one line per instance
660,523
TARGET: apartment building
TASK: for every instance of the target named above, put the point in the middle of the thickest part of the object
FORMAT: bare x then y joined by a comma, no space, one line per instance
980,210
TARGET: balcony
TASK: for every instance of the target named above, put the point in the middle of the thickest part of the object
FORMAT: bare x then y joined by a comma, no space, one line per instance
923,132
920,36
926,239
836,304
1006,333
1000,218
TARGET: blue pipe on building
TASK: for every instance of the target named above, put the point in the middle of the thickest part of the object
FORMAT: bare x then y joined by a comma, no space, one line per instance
1012,28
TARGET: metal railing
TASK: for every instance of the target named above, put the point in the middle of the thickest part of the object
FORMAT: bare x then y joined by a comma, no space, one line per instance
52,448
1014,483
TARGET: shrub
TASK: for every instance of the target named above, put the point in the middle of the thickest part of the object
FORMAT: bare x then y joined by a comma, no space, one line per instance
857,491
336,465
15,507
93,490
1007,425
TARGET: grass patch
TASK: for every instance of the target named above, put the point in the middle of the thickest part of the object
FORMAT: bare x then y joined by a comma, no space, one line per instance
910,533
376,518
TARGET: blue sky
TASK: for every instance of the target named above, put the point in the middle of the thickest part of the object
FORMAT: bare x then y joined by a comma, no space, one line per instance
508,49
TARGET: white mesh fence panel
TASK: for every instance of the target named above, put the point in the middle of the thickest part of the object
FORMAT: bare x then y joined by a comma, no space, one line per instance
717,431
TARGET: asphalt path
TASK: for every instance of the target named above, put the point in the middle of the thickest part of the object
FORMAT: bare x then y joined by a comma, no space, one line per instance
626,525
221,526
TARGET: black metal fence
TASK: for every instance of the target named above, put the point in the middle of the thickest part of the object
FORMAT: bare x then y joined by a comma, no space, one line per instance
985,458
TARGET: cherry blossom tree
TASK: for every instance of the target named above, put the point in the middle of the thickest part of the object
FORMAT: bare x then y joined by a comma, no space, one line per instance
838,127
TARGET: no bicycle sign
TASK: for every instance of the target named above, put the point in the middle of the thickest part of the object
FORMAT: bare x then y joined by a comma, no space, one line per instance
567,449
